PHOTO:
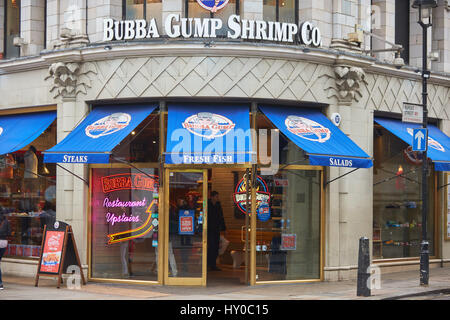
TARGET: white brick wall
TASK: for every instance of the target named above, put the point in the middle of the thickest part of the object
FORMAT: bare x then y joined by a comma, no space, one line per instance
441,34
335,19
32,26
99,10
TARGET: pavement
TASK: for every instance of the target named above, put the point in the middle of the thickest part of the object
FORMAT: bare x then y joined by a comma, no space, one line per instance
400,285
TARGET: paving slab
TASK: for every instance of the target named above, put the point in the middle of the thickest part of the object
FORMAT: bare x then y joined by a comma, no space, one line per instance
393,286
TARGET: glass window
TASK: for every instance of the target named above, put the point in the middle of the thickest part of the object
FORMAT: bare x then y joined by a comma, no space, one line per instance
124,223
194,10
134,9
154,10
280,10
142,145
12,30
124,202
270,10
287,11
288,226
402,27
288,210
397,215
143,9
28,194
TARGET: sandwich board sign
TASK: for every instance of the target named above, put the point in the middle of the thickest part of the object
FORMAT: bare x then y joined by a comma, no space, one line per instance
58,252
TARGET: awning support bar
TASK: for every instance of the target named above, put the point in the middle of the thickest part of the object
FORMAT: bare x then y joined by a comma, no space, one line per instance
328,182
86,182
131,165
443,186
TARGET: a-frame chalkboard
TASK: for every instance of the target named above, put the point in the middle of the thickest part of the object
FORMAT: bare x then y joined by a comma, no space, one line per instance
58,252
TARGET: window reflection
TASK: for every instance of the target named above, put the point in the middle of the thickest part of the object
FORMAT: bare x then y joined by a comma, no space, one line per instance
28,194
143,9
12,24
397,218
279,10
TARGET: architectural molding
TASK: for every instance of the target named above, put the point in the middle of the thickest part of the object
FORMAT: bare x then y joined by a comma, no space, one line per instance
70,79
349,80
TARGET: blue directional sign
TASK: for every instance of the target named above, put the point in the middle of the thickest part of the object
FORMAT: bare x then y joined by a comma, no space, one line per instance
420,139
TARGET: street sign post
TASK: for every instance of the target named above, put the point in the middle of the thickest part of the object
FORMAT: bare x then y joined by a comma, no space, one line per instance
420,139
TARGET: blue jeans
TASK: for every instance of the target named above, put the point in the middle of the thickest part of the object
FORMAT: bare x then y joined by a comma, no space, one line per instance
2,252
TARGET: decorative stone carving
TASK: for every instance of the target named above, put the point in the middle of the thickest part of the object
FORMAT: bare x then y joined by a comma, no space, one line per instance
348,83
70,78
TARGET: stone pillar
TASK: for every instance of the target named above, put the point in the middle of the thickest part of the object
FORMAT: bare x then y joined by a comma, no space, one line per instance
71,192
440,41
52,22
350,197
32,26
99,10
415,39
252,9
69,82
385,28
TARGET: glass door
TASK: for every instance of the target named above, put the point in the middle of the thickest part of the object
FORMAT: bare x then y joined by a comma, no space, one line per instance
185,247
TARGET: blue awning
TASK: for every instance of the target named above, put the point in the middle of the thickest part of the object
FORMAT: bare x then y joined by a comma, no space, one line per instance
438,142
208,134
19,130
93,140
323,142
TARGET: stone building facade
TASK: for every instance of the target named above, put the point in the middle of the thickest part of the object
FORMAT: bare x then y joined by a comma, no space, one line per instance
65,63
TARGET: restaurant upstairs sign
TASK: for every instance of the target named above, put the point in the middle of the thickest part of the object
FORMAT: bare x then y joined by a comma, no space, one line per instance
237,28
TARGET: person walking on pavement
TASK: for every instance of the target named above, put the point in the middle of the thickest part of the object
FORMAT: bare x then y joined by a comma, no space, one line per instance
5,231
216,225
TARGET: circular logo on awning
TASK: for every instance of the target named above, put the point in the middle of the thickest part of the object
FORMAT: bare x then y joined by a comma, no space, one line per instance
1,131
307,129
108,125
212,5
431,142
208,125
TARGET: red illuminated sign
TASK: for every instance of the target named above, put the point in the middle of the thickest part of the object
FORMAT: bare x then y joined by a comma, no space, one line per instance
128,181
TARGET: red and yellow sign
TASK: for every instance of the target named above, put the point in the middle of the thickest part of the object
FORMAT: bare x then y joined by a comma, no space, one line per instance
51,256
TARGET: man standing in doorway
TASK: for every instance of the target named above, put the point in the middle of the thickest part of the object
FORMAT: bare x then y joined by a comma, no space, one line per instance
216,225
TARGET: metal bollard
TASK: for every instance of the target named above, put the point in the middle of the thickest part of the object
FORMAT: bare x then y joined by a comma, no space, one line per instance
363,267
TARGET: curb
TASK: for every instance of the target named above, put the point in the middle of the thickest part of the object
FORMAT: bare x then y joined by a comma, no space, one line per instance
419,294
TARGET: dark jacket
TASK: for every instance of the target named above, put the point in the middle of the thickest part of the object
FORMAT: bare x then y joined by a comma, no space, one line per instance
216,221
5,228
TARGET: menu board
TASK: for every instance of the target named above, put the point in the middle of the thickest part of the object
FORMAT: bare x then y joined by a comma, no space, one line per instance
51,256
58,252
